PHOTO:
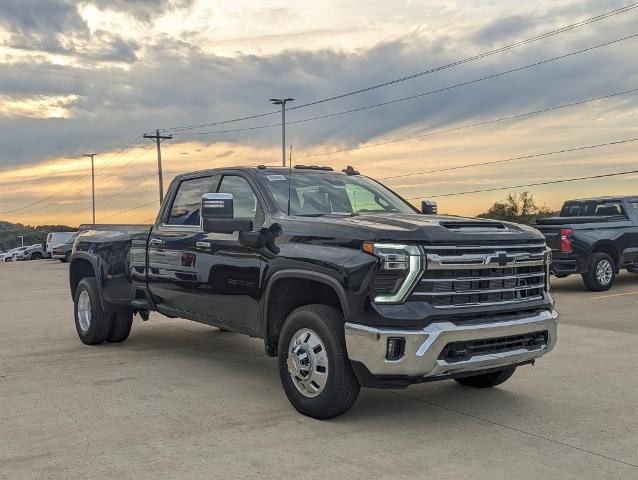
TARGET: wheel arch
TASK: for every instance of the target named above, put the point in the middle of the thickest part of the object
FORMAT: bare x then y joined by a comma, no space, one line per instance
611,250
290,289
82,266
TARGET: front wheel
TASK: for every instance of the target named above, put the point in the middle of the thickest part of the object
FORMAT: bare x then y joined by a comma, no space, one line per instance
601,273
313,362
487,379
36,256
632,270
91,321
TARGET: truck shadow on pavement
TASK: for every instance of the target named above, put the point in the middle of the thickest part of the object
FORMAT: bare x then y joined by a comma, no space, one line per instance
238,362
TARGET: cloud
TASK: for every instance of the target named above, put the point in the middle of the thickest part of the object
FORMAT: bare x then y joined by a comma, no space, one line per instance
170,82
503,28
142,10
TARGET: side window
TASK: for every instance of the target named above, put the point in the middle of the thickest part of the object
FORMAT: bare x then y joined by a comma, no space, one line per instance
244,199
185,209
609,209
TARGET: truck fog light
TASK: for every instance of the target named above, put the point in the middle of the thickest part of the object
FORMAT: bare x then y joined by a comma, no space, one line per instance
395,348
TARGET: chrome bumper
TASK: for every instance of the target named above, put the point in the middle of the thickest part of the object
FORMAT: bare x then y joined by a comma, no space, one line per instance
423,347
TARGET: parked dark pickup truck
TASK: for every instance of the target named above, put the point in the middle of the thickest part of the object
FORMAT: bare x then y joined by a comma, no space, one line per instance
346,282
595,237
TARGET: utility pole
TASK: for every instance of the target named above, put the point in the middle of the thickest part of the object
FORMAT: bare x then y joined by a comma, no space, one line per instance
92,155
21,240
282,102
158,138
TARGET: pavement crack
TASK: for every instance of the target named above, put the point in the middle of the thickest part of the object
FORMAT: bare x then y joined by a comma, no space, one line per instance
514,429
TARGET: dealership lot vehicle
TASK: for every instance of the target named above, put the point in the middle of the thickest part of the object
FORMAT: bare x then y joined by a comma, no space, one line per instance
345,282
12,254
596,237
63,251
32,252
57,238
185,400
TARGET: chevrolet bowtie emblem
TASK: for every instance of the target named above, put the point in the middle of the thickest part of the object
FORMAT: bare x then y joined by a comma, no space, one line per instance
502,258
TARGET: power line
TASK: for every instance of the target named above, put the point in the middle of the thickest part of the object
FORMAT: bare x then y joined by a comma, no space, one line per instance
469,82
128,210
439,90
463,127
513,159
69,186
548,182
551,33
73,194
566,28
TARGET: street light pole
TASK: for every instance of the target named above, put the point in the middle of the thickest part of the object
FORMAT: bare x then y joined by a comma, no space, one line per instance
92,155
282,102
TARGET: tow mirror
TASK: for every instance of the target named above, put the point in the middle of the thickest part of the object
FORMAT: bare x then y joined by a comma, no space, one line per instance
429,207
217,215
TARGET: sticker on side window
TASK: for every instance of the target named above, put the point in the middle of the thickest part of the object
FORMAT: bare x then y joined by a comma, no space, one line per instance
274,178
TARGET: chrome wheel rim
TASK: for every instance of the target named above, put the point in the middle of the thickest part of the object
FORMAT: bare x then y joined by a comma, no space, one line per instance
84,311
604,272
307,362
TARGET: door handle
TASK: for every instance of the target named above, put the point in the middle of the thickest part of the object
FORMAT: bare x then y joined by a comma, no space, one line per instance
203,245
157,241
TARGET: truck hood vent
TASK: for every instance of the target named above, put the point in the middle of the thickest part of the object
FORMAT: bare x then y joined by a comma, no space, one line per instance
469,226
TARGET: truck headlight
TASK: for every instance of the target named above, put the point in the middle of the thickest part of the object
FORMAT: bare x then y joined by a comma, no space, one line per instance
400,267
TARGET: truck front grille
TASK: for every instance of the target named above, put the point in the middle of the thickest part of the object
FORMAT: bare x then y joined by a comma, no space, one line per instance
462,351
464,276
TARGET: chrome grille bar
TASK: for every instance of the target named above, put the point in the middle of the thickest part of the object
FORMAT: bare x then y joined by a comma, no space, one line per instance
481,291
478,279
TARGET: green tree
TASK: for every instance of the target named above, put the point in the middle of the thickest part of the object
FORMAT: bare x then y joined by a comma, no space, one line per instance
517,207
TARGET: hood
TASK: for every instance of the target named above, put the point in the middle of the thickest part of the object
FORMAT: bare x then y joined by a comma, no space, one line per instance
433,229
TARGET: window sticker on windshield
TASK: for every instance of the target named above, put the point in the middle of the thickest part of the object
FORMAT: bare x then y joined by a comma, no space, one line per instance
274,178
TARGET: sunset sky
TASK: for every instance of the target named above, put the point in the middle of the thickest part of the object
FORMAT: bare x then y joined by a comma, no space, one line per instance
79,76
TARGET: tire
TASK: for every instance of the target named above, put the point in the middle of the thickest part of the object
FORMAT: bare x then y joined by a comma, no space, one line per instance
62,260
595,280
632,270
121,326
340,387
487,379
67,257
87,296
36,256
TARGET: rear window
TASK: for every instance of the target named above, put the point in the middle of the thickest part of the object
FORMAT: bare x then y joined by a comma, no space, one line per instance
609,208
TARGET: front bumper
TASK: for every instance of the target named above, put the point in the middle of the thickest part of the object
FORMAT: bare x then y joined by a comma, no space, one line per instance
421,360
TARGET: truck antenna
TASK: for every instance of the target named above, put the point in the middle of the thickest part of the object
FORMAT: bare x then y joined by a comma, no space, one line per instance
289,175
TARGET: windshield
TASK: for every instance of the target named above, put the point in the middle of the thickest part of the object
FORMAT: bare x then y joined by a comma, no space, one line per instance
593,208
315,194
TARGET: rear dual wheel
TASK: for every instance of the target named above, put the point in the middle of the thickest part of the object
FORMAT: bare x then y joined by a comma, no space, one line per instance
93,324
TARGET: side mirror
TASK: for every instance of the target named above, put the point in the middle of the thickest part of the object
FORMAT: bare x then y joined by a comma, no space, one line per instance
217,215
429,207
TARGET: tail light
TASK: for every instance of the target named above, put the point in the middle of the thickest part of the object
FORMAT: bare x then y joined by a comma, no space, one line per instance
566,240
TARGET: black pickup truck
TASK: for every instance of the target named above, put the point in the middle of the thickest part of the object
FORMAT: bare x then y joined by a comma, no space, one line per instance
595,237
347,283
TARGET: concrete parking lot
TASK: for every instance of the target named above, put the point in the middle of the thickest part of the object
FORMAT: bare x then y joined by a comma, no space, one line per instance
184,400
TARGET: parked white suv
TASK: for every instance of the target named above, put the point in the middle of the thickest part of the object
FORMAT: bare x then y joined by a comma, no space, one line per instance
32,252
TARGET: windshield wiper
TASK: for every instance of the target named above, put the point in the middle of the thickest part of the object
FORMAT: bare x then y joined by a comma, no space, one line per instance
326,214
